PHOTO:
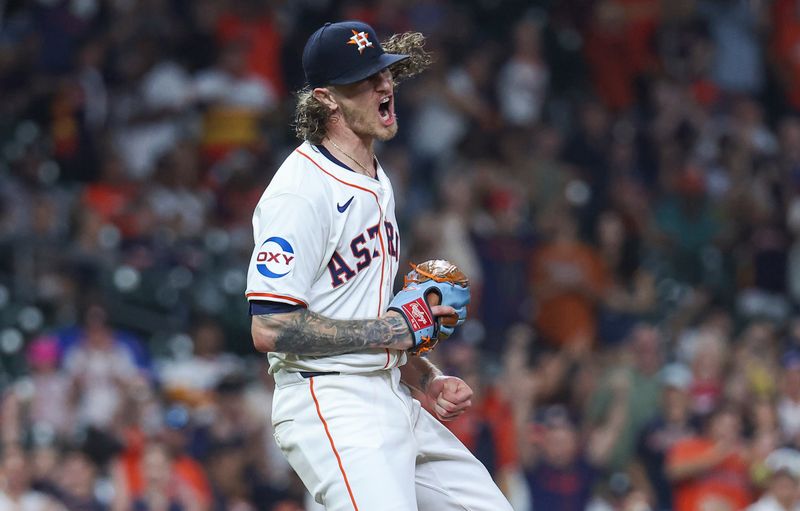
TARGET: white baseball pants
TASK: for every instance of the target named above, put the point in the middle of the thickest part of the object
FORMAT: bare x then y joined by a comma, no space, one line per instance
362,443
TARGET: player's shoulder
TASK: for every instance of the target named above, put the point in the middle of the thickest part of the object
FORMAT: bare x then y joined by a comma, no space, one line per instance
299,174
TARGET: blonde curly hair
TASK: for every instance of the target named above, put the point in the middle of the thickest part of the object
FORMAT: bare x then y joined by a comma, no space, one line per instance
311,116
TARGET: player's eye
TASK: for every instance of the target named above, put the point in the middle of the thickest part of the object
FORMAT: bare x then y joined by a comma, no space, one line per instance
383,74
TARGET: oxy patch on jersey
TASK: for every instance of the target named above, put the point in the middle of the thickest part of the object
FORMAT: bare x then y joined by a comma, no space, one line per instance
276,258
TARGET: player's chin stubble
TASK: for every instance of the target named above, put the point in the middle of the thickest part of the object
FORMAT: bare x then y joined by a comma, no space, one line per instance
388,132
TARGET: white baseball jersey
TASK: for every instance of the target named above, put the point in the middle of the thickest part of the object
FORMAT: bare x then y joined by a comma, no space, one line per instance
326,239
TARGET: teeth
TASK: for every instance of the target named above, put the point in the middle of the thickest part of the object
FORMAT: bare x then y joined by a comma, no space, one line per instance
384,100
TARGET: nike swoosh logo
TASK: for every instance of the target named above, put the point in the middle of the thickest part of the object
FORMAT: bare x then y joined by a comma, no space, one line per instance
346,204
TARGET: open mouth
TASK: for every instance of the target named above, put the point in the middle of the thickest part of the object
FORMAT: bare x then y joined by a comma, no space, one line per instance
386,110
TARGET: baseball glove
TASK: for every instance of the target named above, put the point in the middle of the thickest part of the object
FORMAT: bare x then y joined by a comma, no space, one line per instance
440,282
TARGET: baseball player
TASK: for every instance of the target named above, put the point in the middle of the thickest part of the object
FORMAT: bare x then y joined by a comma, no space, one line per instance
320,290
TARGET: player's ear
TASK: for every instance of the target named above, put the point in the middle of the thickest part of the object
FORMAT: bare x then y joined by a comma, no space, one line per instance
325,96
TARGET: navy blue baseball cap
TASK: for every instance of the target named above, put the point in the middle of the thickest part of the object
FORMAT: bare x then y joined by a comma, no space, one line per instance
344,52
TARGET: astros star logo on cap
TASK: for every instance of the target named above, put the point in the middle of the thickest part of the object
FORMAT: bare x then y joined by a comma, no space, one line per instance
361,39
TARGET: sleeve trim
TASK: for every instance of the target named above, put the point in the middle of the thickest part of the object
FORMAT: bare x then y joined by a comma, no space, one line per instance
263,307
273,296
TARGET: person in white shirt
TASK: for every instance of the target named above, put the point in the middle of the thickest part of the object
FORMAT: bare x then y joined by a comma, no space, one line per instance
15,490
783,492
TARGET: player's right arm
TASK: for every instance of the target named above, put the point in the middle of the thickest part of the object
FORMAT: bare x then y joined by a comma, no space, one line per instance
291,235
303,332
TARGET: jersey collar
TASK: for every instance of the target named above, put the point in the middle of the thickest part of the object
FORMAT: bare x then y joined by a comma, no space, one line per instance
326,153
338,168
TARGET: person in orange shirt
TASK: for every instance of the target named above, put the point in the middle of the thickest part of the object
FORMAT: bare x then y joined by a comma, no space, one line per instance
132,471
254,24
619,48
569,280
487,429
711,472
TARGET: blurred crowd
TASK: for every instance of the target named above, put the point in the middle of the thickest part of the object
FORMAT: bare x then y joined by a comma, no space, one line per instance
620,179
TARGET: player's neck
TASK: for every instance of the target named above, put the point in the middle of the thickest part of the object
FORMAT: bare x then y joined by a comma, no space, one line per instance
357,152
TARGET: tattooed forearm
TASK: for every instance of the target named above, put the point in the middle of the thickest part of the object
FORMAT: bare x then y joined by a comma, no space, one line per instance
418,373
303,332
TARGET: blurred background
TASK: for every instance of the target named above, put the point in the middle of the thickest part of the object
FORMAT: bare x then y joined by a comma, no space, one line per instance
619,178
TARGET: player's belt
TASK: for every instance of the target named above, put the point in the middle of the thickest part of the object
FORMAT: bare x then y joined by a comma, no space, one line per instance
309,374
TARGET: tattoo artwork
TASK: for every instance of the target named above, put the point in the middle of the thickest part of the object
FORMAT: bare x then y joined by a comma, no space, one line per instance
428,372
418,373
425,380
303,332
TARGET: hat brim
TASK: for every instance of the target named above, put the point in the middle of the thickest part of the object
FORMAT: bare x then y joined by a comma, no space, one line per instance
382,62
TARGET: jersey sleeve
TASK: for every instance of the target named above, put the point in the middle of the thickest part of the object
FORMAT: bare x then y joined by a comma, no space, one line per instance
290,241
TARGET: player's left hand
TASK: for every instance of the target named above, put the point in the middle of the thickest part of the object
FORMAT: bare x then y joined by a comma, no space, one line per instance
451,396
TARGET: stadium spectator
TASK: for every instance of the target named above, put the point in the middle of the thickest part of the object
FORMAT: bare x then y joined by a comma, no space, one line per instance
673,423
783,492
587,150
150,114
765,438
707,361
546,175
76,481
192,378
686,224
273,467
631,295
175,436
789,398
254,25
504,245
446,117
618,48
235,101
131,469
711,469
617,493
15,484
177,198
100,367
231,423
568,280
111,195
735,28
627,397
161,489
522,82
559,470
50,408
